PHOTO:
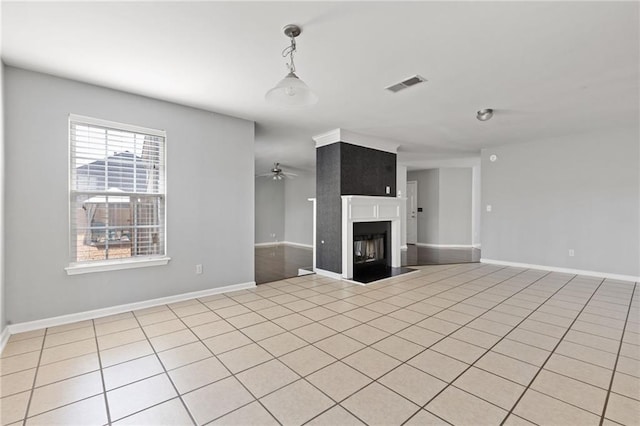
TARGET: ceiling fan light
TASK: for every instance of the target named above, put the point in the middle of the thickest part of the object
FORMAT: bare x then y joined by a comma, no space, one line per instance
484,114
291,92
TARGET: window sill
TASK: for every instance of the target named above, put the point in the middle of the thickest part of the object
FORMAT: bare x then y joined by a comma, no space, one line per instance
115,265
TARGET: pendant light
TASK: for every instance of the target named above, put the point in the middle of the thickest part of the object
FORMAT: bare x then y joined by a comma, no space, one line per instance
291,91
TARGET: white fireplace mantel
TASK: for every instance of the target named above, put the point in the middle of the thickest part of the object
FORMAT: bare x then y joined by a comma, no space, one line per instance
360,208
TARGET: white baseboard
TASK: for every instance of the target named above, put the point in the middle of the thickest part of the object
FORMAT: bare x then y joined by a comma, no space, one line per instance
328,274
270,244
290,243
283,243
445,245
4,338
103,312
562,270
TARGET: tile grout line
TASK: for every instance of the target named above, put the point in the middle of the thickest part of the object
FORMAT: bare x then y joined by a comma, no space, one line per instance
104,387
165,372
375,380
551,353
224,365
450,333
501,339
304,378
312,321
35,377
615,365
487,350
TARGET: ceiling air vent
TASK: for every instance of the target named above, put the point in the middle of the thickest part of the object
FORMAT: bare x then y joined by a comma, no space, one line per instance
411,81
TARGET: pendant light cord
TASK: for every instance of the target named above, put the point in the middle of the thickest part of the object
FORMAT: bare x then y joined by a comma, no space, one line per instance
289,51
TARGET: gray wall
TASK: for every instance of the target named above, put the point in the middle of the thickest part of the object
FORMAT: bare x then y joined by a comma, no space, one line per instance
210,198
579,192
298,221
455,206
445,196
476,204
283,209
270,214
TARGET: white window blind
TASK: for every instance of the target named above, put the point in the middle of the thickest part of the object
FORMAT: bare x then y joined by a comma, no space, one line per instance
117,191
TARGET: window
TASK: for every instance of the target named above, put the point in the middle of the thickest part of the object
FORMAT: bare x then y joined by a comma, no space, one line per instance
117,194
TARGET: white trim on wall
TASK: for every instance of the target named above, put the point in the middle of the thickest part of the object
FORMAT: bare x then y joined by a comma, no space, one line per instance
270,244
563,270
285,243
292,244
328,274
115,265
313,200
446,245
347,136
99,313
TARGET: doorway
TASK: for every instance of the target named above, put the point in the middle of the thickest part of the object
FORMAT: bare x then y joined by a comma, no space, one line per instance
441,209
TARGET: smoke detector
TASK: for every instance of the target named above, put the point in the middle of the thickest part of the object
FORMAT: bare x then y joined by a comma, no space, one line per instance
405,84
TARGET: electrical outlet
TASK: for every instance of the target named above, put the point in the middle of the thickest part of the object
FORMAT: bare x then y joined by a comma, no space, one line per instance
388,190
488,207
572,252
198,268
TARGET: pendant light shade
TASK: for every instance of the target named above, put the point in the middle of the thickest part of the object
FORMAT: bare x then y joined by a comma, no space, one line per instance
291,91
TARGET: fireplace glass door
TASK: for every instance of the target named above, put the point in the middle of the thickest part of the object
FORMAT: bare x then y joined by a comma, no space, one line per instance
368,248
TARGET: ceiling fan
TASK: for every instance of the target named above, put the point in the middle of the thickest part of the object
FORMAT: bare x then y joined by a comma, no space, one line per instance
277,173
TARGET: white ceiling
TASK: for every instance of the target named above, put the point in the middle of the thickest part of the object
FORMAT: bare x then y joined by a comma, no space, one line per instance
549,69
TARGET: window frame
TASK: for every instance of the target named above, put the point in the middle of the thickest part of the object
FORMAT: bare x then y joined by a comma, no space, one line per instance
83,267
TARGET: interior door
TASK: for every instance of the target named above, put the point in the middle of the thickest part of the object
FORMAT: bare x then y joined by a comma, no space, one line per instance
412,212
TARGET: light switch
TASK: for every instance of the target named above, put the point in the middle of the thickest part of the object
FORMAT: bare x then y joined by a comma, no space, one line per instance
488,207
388,190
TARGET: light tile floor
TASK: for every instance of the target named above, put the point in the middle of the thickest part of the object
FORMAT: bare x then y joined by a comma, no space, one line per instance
460,344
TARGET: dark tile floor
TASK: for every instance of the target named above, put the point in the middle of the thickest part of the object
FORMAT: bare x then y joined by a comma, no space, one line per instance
280,262
420,255
275,263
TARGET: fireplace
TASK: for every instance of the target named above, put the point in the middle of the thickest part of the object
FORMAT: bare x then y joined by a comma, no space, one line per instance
370,233
371,246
